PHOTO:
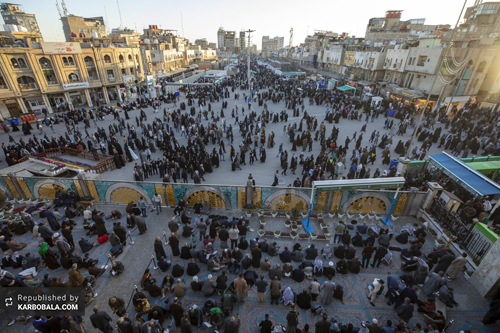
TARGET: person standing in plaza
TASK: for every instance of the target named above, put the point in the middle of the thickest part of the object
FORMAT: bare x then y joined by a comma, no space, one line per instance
174,227
261,289
241,287
157,201
292,320
339,231
173,241
142,206
101,320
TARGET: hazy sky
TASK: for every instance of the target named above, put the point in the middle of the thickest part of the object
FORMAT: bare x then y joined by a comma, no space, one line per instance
271,17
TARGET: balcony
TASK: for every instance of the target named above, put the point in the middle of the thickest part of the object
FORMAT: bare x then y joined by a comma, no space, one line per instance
46,66
52,83
89,64
92,78
28,86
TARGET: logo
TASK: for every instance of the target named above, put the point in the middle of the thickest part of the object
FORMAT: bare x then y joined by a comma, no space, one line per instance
9,301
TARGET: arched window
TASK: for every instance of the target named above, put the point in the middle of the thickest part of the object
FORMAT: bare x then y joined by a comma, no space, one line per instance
73,77
45,63
71,61
14,63
3,85
481,67
89,61
22,63
107,59
120,57
26,82
130,57
137,57
65,61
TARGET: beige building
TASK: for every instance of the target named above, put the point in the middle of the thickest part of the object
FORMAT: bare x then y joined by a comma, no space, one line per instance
76,26
49,75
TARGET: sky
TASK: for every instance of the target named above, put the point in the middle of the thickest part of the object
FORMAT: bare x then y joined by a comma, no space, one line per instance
202,19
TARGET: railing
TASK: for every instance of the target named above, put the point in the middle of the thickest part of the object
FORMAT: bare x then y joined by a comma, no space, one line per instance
28,86
466,236
89,64
52,82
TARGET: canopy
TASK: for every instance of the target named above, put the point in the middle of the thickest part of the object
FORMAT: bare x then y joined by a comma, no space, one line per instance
253,72
333,80
473,181
345,88
294,73
353,184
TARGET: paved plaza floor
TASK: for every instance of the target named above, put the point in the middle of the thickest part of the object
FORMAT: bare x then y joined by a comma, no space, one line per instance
136,257
262,172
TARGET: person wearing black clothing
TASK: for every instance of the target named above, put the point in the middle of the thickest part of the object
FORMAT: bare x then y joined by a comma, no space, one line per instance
163,264
329,270
246,262
380,253
177,271
354,265
192,268
266,326
185,251
153,289
311,252
304,300
339,252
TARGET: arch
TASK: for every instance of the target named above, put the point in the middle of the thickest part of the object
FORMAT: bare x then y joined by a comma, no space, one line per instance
73,77
120,58
481,66
376,195
204,191
14,63
88,61
41,184
25,79
65,61
288,198
107,59
44,62
125,192
71,61
6,192
130,57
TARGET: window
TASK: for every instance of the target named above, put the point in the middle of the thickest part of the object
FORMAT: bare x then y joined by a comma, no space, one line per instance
421,60
26,82
111,75
22,63
73,77
89,61
481,67
71,61
45,63
65,61
130,58
121,58
14,63
51,79
3,85
107,59
124,71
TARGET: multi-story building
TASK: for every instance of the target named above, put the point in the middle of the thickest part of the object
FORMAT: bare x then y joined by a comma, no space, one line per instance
53,74
125,36
202,42
394,65
275,43
243,40
16,19
220,38
77,26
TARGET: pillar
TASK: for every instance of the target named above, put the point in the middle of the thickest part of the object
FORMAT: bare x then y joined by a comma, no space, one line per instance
105,93
83,184
119,93
434,188
249,193
402,166
47,103
68,100
23,107
19,189
486,277
87,96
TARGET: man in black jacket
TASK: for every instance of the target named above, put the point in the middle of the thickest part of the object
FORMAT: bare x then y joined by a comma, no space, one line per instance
304,300
101,320
380,253
354,265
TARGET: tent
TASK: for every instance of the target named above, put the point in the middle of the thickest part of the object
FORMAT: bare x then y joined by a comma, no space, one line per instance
346,88
376,101
331,84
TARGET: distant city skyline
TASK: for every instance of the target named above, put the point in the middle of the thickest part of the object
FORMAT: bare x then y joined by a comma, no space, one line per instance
202,19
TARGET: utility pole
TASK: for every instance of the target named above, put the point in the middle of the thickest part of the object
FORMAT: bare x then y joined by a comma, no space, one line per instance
248,65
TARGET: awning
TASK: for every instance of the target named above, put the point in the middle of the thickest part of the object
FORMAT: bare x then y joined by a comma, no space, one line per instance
382,83
457,99
408,93
345,88
366,83
353,184
333,80
471,180
294,73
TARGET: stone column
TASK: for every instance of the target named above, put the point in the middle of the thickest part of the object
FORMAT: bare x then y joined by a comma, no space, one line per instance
402,165
487,275
68,100
87,96
47,103
19,189
249,193
434,188
105,93
119,93
83,184
23,107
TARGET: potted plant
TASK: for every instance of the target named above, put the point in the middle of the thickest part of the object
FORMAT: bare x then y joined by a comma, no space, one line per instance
294,234
314,236
263,221
274,213
371,216
331,214
362,216
323,225
340,215
320,216
250,208
304,214
260,212
288,223
288,215
277,233
295,213
295,226
261,232
328,236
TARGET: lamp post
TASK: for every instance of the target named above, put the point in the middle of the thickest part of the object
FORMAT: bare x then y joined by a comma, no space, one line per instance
248,65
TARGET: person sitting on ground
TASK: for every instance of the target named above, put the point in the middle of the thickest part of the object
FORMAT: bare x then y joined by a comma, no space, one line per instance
342,267
327,252
311,252
196,285
354,265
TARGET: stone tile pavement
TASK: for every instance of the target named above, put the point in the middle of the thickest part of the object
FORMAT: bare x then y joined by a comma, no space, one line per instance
356,308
